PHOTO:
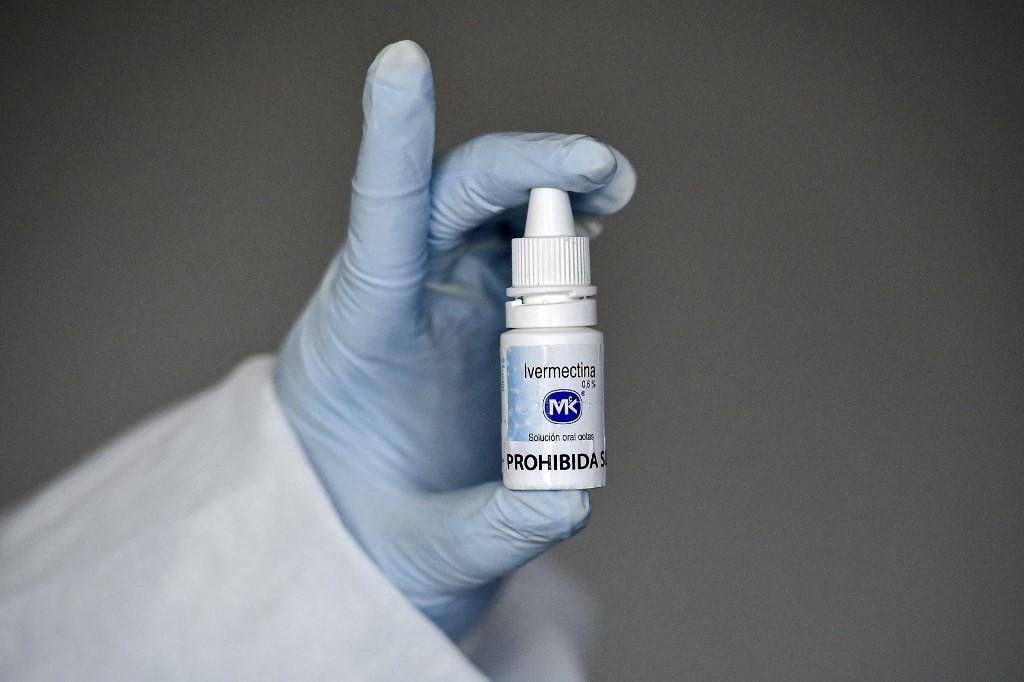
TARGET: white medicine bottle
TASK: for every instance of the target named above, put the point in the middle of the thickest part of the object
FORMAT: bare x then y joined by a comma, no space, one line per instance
552,374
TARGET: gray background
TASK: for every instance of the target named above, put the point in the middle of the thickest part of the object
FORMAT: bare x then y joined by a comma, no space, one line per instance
813,307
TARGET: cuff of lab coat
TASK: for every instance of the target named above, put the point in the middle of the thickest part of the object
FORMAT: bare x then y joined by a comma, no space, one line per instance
201,545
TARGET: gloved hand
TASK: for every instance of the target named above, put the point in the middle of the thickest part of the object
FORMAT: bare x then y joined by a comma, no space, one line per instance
390,376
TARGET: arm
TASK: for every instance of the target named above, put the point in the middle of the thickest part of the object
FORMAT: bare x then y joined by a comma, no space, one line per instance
201,545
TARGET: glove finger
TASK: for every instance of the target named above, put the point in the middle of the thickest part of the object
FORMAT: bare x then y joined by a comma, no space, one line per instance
383,261
495,172
492,530
613,196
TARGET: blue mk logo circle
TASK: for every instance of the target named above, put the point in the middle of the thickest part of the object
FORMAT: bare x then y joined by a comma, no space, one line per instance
562,406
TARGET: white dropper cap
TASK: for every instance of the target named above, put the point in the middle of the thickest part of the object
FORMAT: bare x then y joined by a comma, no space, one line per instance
550,253
550,268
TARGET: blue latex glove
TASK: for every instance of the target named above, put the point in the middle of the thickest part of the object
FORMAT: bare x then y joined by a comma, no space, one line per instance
390,376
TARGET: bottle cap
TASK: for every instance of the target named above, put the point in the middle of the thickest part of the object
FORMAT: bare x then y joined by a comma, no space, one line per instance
550,268
549,253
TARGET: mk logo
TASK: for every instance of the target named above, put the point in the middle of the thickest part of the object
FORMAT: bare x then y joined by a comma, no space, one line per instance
562,406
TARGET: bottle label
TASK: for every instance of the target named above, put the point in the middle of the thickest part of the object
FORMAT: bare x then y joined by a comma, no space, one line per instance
553,416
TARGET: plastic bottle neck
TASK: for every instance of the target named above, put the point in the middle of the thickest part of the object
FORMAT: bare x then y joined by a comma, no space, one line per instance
551,306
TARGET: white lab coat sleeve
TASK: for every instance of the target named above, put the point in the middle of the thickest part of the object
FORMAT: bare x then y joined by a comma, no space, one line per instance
201,546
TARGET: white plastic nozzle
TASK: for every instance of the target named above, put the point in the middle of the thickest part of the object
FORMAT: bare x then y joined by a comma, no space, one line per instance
549,214
549,254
